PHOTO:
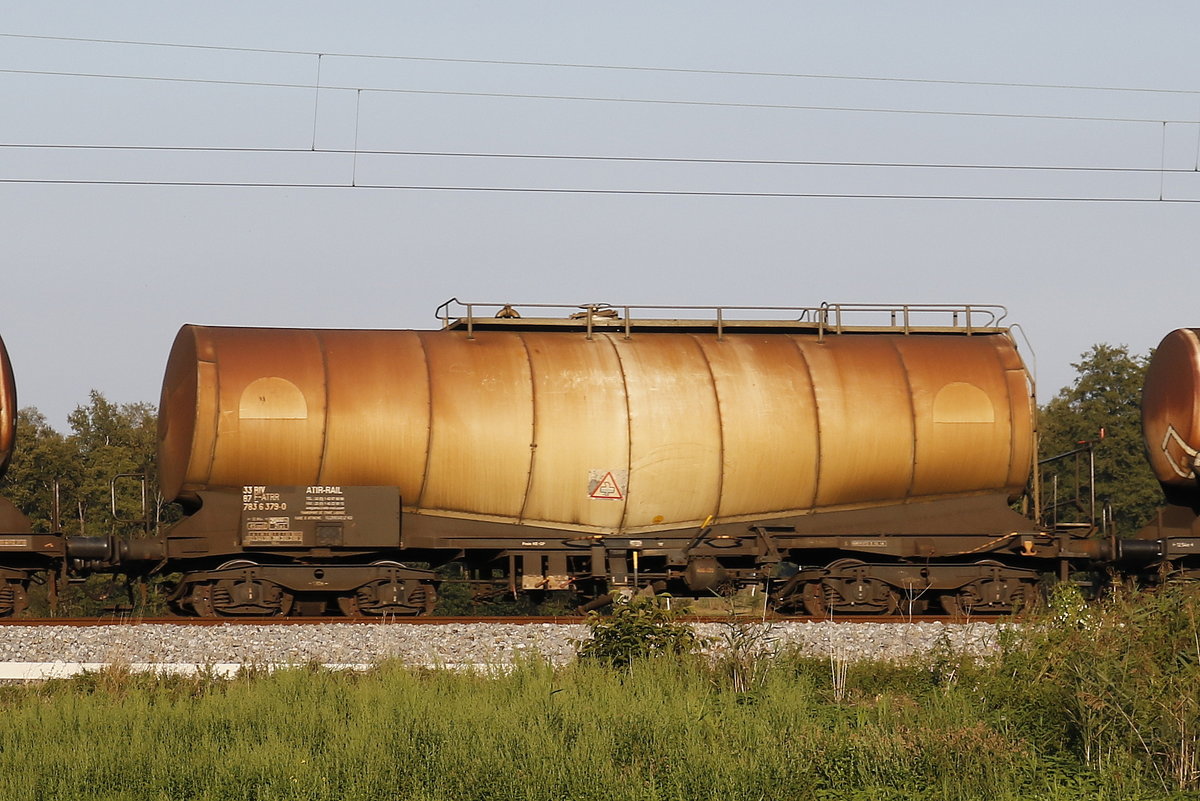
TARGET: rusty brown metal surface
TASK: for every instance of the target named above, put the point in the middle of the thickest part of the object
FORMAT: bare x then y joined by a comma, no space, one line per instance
1171,415
12,521
607,434
8,409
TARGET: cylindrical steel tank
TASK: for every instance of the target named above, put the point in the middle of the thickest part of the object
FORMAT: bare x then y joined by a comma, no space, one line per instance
1171,415
8,409
603,434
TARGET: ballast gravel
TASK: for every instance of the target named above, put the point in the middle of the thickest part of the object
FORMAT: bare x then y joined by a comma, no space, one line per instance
458,644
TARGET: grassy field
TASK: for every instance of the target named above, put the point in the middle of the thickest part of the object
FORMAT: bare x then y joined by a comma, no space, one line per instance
1092,702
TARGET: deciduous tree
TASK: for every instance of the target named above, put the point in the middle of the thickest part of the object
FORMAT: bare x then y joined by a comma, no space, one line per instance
43,458
1102,409
106,440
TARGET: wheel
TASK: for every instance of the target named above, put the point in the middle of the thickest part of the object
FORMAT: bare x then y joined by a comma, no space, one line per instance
989,597
813,597
13,598
243,595
349,605
887,602
393,595
953,605
200,599
858,592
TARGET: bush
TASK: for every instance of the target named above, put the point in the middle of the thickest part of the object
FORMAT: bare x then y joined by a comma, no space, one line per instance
637,628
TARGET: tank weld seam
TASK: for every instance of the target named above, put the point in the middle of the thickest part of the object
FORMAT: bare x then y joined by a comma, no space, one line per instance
533,426
629,481
326,383
712,379
912,418
426,360
816,407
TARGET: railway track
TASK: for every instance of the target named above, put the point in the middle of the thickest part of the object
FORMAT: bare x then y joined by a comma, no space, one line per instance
30,651
128,620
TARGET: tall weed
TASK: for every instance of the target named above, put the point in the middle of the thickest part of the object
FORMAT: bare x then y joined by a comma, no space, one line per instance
1120,681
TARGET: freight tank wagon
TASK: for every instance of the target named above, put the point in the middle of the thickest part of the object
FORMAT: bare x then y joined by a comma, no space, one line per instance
870,452
1171,430
24,555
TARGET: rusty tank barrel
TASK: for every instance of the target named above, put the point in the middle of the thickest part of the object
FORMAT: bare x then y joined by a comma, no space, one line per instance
1171,415
600,431
8,409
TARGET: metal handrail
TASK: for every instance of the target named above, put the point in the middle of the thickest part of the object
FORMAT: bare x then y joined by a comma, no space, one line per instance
828,317
1080,495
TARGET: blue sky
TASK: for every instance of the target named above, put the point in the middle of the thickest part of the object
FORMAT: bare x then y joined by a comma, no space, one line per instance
99,276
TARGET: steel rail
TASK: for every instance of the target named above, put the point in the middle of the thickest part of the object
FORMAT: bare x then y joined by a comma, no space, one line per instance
132,620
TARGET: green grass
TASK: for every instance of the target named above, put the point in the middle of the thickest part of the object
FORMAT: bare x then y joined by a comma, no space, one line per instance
1094,704
656,731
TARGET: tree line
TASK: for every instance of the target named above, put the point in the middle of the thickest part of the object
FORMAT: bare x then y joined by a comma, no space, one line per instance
71,475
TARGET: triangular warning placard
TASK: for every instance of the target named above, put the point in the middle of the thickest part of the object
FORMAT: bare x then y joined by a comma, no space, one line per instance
608,489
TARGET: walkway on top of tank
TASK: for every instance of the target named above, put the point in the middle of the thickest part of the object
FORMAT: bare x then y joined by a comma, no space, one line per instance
827,318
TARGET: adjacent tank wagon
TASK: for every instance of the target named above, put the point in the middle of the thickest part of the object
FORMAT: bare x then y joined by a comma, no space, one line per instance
1171,429
1171,415
24,555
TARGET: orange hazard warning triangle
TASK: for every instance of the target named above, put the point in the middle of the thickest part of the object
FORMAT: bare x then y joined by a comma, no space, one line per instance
608,489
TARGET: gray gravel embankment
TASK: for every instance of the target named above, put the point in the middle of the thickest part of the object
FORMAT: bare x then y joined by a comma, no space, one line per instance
451,643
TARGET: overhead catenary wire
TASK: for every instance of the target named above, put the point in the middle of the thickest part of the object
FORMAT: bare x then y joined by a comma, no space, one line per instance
611,67
594,191
308,86
909,165
317,86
